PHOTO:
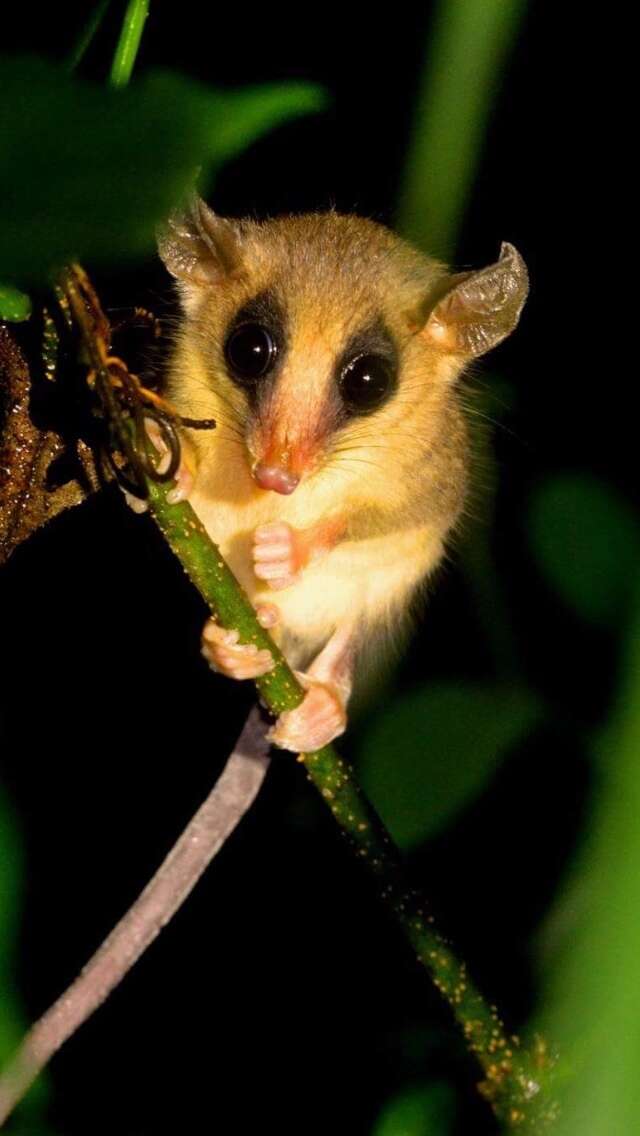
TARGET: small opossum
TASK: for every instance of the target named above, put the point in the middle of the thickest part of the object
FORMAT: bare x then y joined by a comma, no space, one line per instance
329,351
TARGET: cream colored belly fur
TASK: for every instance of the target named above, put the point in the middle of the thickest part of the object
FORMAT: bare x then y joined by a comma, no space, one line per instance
362,582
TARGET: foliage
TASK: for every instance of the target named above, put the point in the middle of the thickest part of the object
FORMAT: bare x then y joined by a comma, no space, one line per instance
467,49
593,990
586,540
14,305
446,740
420,1110
76,142
10,889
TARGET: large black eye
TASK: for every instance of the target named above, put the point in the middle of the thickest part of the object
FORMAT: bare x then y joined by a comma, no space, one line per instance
250,352
366,382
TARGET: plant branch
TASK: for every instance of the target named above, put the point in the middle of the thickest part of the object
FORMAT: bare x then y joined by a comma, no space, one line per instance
129,42
513,1076
215,820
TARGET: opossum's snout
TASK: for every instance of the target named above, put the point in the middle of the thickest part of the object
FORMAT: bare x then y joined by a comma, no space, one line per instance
283,452
290,431
275,477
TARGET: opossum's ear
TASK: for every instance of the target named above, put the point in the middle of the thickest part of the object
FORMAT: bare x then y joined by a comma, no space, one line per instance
198,247
479,309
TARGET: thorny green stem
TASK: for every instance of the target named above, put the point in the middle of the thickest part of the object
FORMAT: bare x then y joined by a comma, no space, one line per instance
512,1076
129,42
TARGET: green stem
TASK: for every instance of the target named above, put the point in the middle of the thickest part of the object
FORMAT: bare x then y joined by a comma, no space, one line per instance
201,559
129,42
512,1075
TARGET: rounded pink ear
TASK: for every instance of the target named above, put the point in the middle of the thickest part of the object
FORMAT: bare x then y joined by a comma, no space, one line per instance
479,309
198,247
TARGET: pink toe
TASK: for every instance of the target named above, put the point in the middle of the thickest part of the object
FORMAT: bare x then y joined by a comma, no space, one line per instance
282,582
266,552
279,530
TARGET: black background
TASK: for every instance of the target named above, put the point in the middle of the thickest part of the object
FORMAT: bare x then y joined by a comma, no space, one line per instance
280,996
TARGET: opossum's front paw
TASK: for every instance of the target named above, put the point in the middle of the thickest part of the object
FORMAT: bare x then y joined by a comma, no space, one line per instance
319,718
279,554
236,660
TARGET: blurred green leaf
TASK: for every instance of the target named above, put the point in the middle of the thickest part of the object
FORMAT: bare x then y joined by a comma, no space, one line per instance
422,1110
10,888
10,882
87,34
429,752
88,171
586,539
592,1009
15,306
12,1018
461,79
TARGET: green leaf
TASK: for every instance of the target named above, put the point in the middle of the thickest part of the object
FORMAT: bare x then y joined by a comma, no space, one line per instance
592,1004
586,540
88,171
12,1017
422,1110
427,754
468,49
10,882
15,306
10,888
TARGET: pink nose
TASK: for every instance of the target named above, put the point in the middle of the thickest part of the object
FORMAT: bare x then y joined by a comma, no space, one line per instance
276,478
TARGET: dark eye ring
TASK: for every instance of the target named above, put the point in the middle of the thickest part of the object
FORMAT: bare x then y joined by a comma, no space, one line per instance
366,382
250,352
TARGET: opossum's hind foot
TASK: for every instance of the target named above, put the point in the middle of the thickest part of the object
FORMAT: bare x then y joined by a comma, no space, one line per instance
322,715
319,718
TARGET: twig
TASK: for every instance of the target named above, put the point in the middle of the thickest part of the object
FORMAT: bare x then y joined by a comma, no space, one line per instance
129,42
215,820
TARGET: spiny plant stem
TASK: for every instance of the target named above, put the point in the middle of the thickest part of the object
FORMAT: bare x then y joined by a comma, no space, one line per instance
512,1076
129,42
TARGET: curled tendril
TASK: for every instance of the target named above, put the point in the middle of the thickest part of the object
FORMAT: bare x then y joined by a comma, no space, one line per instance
126,406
